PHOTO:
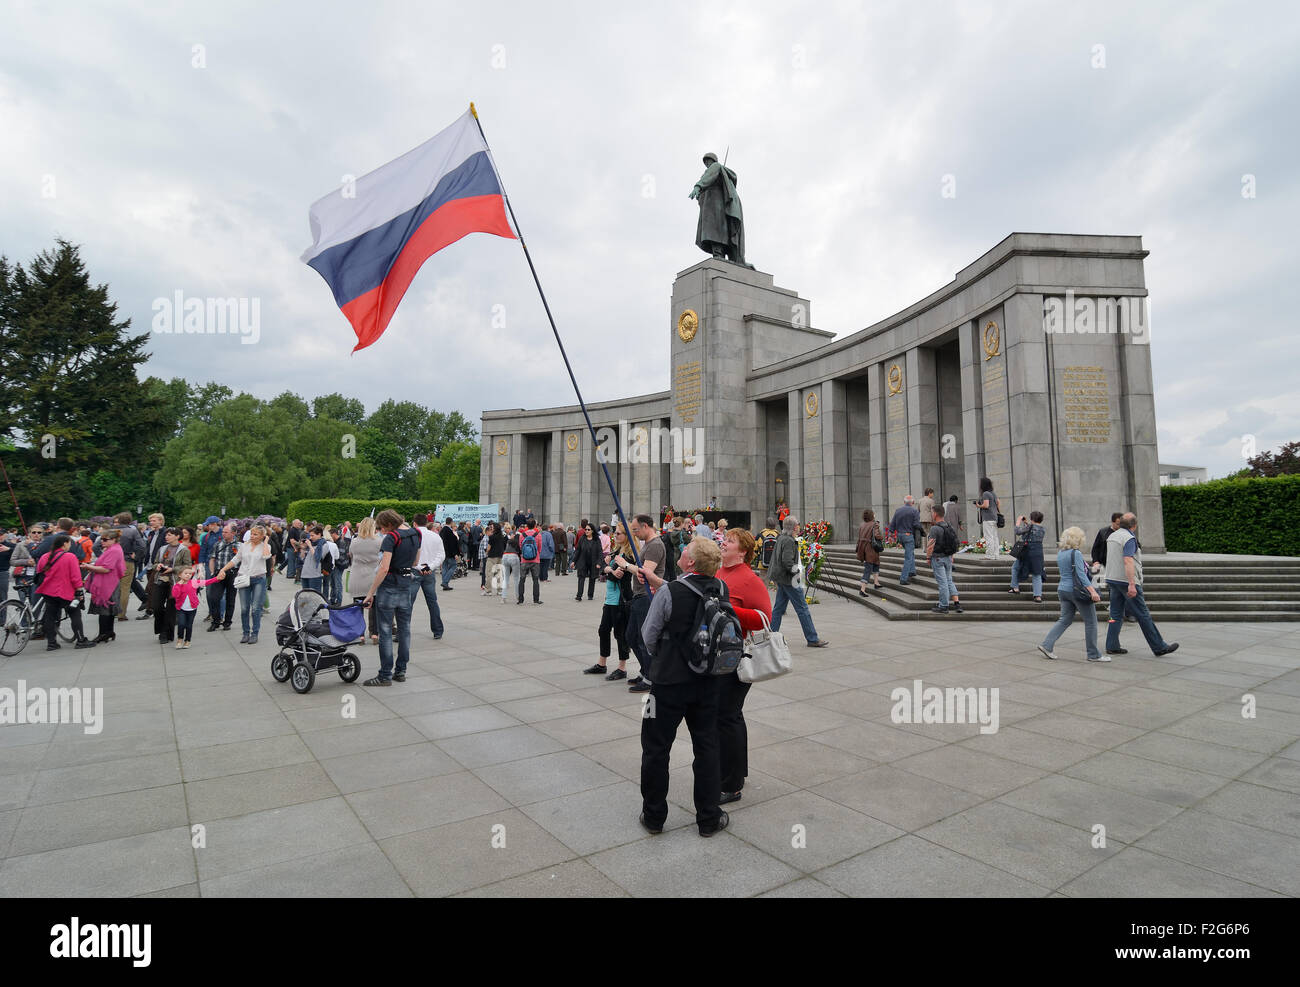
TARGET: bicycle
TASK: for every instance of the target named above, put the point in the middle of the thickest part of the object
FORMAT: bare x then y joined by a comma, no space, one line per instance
18,620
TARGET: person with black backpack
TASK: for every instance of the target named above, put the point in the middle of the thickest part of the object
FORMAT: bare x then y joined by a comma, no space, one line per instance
695,638
942,545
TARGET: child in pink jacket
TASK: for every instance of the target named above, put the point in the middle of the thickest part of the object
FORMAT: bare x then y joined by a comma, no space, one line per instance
186,595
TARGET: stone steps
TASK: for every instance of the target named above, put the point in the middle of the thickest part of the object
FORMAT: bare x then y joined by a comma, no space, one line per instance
1199,590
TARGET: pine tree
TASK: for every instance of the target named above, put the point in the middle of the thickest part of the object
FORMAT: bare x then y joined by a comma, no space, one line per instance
70,398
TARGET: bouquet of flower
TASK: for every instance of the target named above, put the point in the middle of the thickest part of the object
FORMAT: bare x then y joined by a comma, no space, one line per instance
980,547
890,537
818,531
812,555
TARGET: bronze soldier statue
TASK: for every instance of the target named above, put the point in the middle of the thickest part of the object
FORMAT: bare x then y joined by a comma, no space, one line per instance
721,230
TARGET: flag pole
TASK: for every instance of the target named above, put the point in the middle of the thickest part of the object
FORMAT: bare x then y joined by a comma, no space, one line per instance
14,496
618,506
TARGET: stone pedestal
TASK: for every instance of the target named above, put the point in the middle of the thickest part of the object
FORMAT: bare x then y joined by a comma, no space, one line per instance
727,320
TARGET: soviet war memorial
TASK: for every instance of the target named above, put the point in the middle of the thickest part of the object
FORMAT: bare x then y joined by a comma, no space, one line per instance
743,453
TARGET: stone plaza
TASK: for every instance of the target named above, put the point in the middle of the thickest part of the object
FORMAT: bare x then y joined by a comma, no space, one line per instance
498,769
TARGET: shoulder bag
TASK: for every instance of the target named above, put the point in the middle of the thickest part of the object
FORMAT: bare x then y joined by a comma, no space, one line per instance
1081,594
766,654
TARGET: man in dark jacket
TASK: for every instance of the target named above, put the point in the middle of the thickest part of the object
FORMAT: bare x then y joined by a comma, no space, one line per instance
906,523
451,542
678,693
1099,543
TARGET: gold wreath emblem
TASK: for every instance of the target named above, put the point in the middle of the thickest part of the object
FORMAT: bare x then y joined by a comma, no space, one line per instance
687,324
502,446
992,340
811,403
640,436
571,441
895,379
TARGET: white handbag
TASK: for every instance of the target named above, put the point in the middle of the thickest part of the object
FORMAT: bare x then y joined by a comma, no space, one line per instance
766,654
242,579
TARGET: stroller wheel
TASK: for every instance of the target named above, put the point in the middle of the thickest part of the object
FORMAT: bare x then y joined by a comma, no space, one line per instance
302,678
280,666
349,667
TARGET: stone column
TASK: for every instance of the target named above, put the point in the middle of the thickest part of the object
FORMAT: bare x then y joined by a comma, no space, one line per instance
1032,465
794,493
517,452
1138,413
972,423
876,432
555,494
590,467
835,459
922,422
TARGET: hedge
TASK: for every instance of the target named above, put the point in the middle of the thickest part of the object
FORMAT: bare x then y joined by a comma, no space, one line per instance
1254,516
339,510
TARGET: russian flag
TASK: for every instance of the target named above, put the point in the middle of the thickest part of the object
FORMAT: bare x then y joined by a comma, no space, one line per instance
368,246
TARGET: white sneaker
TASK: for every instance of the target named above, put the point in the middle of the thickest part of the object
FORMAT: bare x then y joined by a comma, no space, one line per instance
1045,653
1100,658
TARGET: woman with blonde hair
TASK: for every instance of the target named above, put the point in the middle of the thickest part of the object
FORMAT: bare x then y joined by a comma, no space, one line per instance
618,600
1076,594
365,550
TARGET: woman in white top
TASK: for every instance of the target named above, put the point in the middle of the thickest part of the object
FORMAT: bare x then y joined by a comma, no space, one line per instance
365,565
251,558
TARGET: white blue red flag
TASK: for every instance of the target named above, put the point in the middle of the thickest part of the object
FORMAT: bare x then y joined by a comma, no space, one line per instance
369,245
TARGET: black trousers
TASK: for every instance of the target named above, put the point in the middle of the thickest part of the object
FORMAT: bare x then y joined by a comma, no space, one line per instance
733,737
591,587
163,606
696,702
635,618
216,592
614,618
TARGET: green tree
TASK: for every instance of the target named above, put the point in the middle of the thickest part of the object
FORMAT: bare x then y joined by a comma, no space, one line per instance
254,457
452,477
386,462
341,409
69,395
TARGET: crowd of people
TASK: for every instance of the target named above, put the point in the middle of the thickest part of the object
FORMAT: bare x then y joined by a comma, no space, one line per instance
652,581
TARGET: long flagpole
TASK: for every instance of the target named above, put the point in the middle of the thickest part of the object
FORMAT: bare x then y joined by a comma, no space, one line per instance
15,497
618,506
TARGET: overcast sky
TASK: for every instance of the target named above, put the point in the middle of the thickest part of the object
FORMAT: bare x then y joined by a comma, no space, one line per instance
841,119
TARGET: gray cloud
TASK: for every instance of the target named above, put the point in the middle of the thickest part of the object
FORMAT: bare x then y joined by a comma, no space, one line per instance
841,123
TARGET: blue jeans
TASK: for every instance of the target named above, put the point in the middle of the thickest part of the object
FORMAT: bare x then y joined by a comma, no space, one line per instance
942,567
793,596
313,583
429,586
510,566
1137,607
1069,607
909,558
252,597
395,601
291,564
1015,579
547,565
448,570
336,586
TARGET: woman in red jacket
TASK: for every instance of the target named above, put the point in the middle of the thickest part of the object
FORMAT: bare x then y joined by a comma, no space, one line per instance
60,575
748,598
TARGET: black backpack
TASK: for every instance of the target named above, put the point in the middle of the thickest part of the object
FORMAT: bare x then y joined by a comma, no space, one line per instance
717,643
945,540
769,545
326,561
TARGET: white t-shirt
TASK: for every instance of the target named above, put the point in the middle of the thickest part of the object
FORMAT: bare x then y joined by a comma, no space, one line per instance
252,560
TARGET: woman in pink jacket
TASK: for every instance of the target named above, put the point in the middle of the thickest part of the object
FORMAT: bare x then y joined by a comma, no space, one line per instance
60,583
106,575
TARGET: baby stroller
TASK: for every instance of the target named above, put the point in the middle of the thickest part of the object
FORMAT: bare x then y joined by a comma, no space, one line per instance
314,638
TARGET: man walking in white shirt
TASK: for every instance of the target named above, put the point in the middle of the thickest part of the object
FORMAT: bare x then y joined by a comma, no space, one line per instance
432,554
